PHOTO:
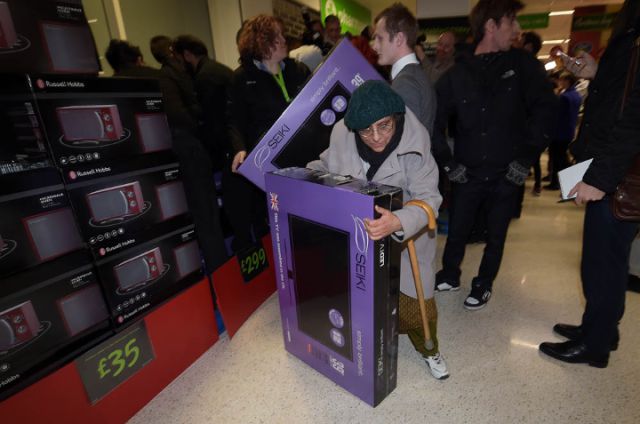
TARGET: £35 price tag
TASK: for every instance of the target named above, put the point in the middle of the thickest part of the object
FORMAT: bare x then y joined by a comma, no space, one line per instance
114,361
253,261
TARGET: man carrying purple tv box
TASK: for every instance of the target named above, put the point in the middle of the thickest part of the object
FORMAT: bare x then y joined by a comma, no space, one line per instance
338,289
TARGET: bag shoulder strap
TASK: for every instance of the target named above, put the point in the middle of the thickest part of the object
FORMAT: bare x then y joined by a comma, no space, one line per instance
631,73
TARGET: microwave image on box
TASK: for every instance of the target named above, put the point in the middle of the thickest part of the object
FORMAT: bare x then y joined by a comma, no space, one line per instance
18,325
53,233
115,204
140,270
8,36
171,199
321,272
154,132
70,47
187,258
83,309
90,124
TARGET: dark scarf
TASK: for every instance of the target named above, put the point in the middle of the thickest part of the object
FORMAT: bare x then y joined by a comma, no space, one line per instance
375,159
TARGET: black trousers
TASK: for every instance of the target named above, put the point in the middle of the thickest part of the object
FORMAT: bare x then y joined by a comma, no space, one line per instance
197,174
498,198
246,208
606,245
558,158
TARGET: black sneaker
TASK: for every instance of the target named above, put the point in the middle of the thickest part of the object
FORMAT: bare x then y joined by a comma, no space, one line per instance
478,298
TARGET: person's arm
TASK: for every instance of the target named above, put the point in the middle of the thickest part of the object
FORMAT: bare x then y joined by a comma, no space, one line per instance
622,145
237,113
445,108
541,106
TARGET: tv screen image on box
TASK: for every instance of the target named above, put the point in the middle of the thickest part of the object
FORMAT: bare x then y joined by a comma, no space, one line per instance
8,36
70,47
140,271
18,324
113,205
321,269
154,131
312,137
187,258
83,309
53,233
172,199
93,125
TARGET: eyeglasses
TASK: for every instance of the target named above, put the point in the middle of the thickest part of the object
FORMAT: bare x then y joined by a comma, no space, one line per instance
383,128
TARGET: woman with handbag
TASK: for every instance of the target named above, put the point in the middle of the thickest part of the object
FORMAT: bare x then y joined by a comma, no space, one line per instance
610,134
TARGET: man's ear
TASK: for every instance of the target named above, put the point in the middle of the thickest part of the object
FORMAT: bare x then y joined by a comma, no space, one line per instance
400,39
490,26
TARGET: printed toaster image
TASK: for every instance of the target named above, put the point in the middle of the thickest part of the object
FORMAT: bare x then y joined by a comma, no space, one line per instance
53,233
83,309
70,47
90,123
187,258
8,36
116,203
18,325
139,270
171,199
154,132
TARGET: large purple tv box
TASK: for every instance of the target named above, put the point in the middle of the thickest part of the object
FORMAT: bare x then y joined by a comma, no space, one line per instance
338,289
302,132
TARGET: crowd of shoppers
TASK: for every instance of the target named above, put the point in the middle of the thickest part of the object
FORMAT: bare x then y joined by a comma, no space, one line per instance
482,113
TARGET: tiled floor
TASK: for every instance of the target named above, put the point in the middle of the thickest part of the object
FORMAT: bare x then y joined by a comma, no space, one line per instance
497,373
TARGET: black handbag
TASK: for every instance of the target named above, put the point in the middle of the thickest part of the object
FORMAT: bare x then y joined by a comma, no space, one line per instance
625,202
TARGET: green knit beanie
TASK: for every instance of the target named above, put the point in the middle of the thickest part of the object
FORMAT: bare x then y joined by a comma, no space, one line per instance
371,102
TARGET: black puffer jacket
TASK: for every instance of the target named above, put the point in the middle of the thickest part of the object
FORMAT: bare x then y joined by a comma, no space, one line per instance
503,106
256,101
612,139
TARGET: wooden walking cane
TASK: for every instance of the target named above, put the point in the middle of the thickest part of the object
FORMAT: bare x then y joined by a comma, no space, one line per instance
415,268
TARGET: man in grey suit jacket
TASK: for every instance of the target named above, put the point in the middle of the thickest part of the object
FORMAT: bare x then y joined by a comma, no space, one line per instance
395,35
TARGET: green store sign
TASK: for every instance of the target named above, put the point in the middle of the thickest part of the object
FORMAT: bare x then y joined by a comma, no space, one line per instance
353,17
593,22
533,21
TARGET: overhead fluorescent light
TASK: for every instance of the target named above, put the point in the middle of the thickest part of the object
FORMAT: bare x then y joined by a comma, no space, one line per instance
561,13
561,41
92,21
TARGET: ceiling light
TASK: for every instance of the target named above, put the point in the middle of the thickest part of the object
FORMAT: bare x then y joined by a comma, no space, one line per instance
561,13
561,41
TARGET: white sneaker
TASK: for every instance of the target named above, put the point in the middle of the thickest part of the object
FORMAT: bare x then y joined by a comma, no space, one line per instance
437,366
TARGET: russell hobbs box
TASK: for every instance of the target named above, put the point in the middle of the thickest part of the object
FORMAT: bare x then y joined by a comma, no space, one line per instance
338,289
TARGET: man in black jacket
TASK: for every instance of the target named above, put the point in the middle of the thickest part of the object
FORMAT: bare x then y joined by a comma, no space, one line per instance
161,48
503,106
211,80
610,135
195,165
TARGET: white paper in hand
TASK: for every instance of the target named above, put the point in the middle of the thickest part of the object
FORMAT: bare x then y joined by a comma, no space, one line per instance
571,176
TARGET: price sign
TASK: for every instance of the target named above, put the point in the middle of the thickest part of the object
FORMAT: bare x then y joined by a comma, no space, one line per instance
117,359
253,261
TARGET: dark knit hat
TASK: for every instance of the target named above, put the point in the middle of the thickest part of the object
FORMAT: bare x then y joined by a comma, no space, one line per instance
371,102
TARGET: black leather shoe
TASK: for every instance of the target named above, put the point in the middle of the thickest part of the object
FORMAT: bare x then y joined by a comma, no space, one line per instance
574,332
574,352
